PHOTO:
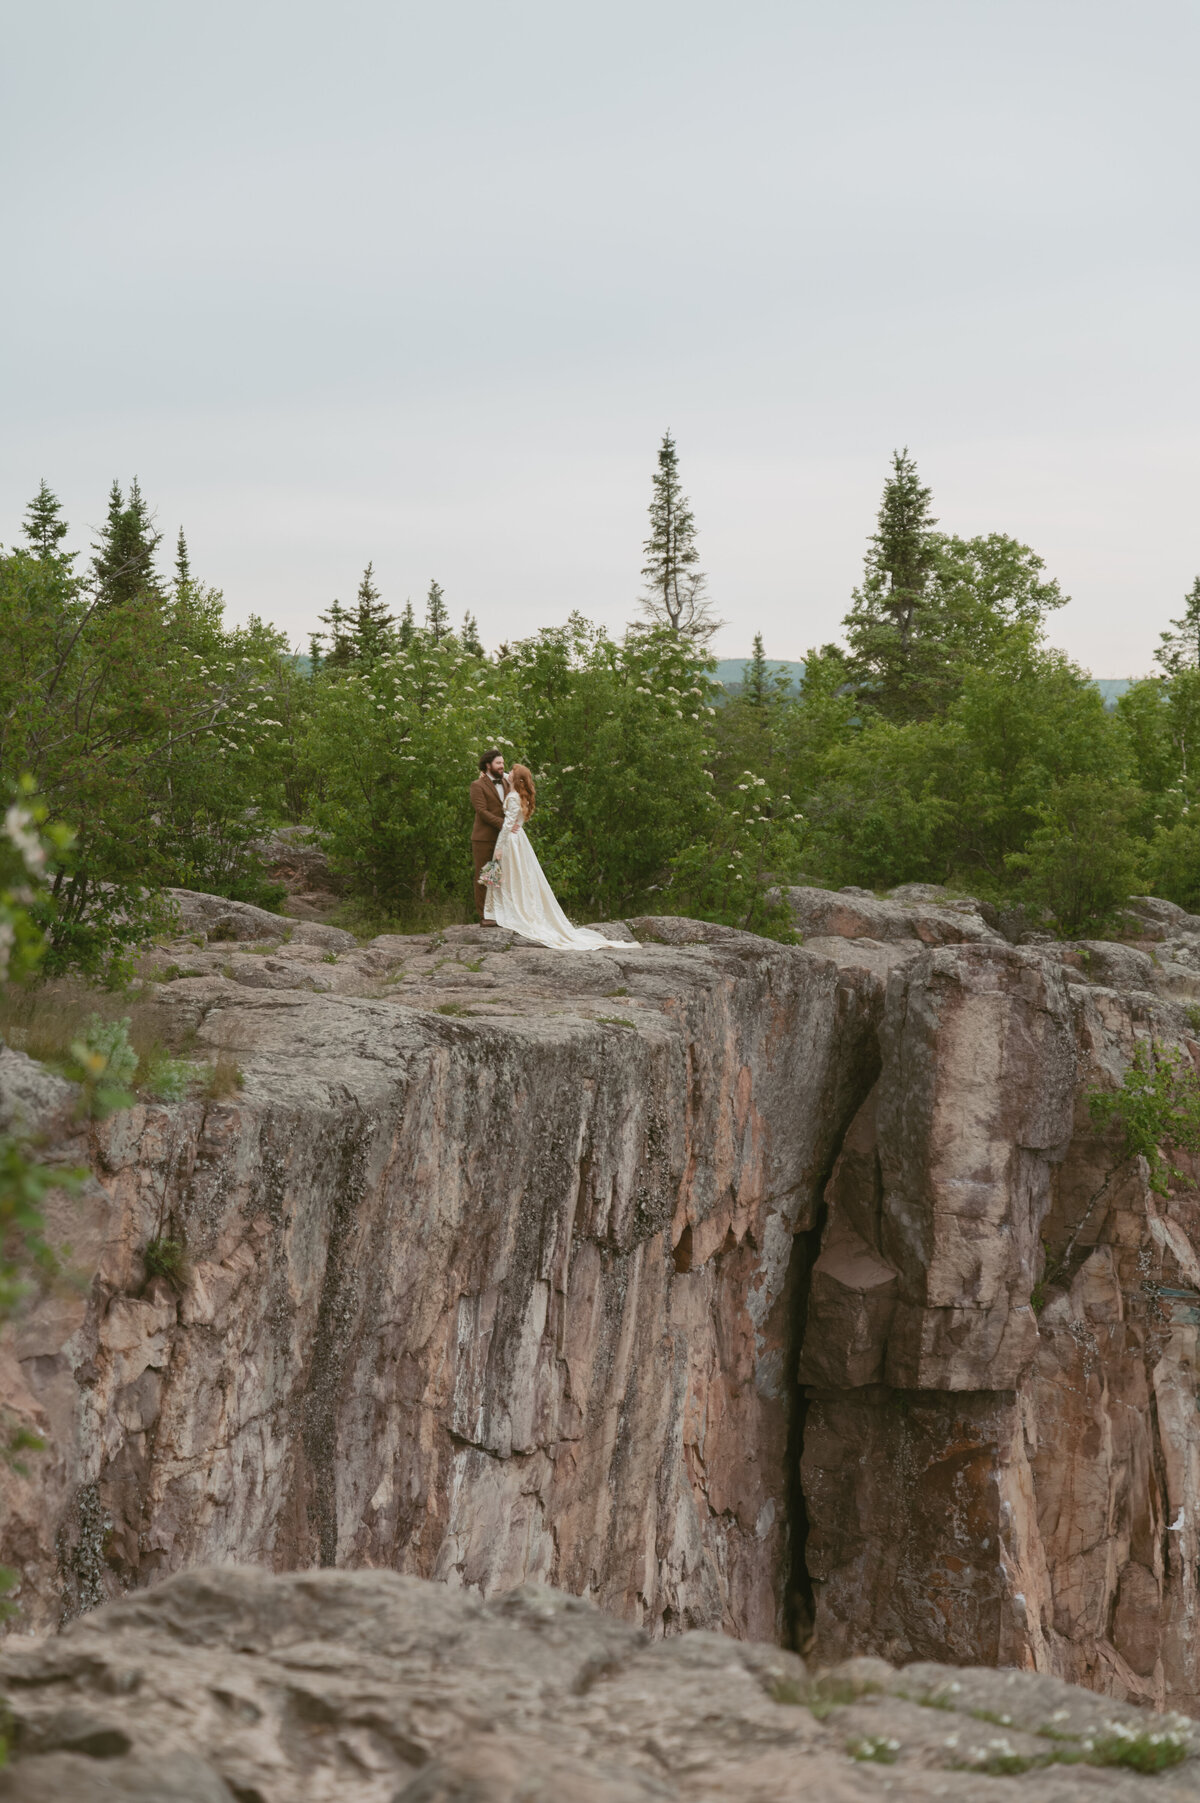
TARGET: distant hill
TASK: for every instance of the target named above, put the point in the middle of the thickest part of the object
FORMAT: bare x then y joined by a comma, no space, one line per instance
730,671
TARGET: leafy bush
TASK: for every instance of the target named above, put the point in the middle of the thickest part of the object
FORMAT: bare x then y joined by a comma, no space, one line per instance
730,876
1173,863
1157,1108
1082,862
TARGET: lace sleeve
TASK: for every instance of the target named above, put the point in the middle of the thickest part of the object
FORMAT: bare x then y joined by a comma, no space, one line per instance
512,807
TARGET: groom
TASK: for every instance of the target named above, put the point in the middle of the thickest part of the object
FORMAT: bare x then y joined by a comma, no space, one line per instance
487,798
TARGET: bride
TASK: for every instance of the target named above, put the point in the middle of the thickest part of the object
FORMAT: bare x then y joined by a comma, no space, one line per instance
519,897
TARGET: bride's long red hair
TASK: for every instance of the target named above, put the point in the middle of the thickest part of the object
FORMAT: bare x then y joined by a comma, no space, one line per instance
522,782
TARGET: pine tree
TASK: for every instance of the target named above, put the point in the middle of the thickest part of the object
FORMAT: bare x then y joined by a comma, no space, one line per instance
675,586
471,641
1180,649
893,655
315,657
183,564
124,561
406,630
372,629
341,640
437,614
44,526
754,675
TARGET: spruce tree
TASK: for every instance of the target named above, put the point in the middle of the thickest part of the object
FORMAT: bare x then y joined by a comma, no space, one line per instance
406,631
341,640
470,635
183,564
1180,649
44,525
437,614
754,675
890,629
372,628
674,595
124,561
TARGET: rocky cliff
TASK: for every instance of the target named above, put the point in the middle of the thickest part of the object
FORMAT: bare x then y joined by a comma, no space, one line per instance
494,1272
789,1290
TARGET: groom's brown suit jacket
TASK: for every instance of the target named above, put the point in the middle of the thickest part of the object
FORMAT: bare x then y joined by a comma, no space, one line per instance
489,813
489,818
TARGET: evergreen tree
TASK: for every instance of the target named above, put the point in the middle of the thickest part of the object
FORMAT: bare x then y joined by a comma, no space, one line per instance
470,636
372,629
754,675
406,630
437,614
1180,649
315,658
44,526
675,586
893,656
341,637
124,561
183,565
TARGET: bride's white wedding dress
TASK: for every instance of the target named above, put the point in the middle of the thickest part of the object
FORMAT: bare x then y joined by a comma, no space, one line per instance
524,901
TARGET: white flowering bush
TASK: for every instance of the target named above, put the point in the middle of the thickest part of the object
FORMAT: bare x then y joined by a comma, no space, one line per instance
754,842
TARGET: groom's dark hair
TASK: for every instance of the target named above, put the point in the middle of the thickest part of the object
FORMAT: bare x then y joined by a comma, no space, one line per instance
489,757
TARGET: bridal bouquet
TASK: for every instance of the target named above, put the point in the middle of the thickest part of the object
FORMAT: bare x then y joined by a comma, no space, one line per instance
490,874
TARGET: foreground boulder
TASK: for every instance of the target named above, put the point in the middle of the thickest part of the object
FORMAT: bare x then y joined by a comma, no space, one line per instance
368,1687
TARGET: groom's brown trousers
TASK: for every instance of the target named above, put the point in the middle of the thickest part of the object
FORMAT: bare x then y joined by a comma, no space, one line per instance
489,818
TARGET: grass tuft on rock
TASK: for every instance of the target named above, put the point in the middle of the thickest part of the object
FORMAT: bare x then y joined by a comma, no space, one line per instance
167,1257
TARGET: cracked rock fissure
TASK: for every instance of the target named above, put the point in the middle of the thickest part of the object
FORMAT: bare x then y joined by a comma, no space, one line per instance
695,1277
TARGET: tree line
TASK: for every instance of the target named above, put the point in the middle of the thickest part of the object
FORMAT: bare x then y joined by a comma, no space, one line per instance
942,740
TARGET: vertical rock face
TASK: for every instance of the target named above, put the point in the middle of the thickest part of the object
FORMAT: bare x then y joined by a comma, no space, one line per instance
985,1483
493,1275
787,1290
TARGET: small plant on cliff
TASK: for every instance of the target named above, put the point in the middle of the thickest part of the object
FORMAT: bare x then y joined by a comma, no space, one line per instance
167,1258
1139,1749
1157,1108
999,1759
103,1062
878,1749
224,1079
166,1079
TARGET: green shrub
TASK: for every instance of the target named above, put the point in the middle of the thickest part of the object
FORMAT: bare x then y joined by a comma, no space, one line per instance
166,1079
1173,864
1082,863
166,1257
1157,1108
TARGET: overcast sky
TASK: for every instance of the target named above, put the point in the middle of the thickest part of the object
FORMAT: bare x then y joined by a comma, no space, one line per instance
426,283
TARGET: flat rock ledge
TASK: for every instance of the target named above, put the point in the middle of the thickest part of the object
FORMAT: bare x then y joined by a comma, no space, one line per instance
232,1685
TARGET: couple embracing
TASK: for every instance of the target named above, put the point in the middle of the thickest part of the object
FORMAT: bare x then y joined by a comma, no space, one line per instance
510,886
